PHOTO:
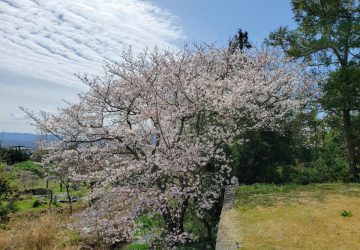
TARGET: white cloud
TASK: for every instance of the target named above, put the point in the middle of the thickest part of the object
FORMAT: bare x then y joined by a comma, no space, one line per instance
33,93
44,42
54,39
19,117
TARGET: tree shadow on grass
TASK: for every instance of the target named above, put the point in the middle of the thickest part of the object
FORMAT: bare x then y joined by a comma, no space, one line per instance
267,195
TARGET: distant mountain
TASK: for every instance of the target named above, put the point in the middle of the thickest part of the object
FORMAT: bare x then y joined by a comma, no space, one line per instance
22,139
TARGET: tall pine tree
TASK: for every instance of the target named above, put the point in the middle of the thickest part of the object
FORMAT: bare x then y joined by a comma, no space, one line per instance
328,34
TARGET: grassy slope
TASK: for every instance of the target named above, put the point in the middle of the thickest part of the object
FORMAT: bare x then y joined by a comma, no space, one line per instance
295,217
31,231
40,227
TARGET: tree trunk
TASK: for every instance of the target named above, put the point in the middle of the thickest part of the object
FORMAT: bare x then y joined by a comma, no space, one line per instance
182,215
51,198
69,196
208,229
350,144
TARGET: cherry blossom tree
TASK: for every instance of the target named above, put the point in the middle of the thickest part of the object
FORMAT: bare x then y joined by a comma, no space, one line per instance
150,135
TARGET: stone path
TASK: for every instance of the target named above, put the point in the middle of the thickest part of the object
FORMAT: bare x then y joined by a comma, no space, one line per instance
228,231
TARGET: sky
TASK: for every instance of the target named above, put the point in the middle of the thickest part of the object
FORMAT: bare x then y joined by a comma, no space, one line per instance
45,43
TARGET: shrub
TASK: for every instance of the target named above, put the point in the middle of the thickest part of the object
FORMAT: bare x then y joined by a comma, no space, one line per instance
346,213
32,167
146,223
5,191
321,171
5,210
13,155
36,203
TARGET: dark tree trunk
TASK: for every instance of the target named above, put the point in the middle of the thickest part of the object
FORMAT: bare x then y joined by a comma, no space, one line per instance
350,144
182,215
208,229
175,224
69,196
169,223
51,198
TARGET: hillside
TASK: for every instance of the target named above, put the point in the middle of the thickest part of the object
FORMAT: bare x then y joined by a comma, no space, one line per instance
8,139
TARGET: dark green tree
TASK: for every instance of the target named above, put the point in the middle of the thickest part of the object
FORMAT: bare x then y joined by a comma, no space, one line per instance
328,35
239,42
337,96
6,190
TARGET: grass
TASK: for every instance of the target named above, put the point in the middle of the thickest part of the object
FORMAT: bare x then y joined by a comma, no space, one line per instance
39,231
27,202
137,246
39,171
30,166
27,205
35,224
295,217
146,224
